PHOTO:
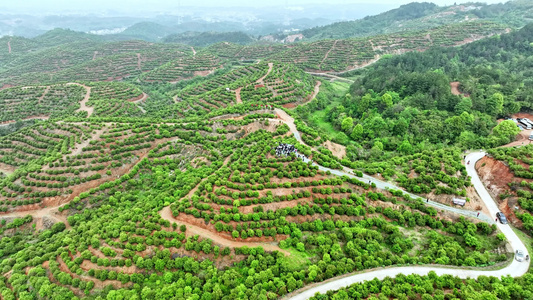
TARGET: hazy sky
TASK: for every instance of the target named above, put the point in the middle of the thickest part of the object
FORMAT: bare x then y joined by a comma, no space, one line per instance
95,5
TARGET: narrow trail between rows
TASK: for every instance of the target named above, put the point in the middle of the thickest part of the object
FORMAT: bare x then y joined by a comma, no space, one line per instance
238,95
83,102
327,54
139,58
316,90
9,46
166,214
142,99
44,93
262,79
139,101
193,51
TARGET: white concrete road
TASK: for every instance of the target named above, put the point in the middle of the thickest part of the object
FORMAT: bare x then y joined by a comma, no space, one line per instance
380,184
515,269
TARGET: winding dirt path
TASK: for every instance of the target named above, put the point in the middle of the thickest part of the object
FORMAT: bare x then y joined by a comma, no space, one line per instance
9,46
139,58
83,102
166,214
327,54
522,139
78,149
144,96
317,90
455,88
262,79
238,95
44,94
38,216
94,55
193,51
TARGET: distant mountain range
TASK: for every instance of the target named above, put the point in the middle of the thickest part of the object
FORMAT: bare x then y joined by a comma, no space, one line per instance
201,32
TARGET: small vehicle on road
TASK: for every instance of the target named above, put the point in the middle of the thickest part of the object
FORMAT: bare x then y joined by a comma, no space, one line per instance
519,255
500,216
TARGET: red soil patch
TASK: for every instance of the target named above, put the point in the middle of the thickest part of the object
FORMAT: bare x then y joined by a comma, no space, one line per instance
140,98
337,150
496,177
290,105
198,226
455,89
238,95
203,73
523,115
259,86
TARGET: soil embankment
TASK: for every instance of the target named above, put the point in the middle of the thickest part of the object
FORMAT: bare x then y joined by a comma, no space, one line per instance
455,88
238,95
166,214
496,176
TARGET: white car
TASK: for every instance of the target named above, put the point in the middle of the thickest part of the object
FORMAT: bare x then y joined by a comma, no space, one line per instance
519,255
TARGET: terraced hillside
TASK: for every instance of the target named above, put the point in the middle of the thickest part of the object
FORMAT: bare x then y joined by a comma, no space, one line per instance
92,60
264,83
115,90
246,53
423,16
88,61
39,102
183,68
154,172
342,55
153,204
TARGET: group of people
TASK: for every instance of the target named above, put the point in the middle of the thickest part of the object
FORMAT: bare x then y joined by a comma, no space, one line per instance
287,149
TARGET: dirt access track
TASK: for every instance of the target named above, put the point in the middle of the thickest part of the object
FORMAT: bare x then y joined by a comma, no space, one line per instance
83,102
454,86
166,214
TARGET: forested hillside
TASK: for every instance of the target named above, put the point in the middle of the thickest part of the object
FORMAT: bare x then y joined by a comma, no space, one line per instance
423,16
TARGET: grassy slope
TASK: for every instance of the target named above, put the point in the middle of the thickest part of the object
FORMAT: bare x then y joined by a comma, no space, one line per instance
319,117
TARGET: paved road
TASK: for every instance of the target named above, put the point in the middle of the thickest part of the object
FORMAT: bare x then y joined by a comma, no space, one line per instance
381,184
515,269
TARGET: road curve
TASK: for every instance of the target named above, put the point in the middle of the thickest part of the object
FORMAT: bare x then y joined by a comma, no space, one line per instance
287,119
515,269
